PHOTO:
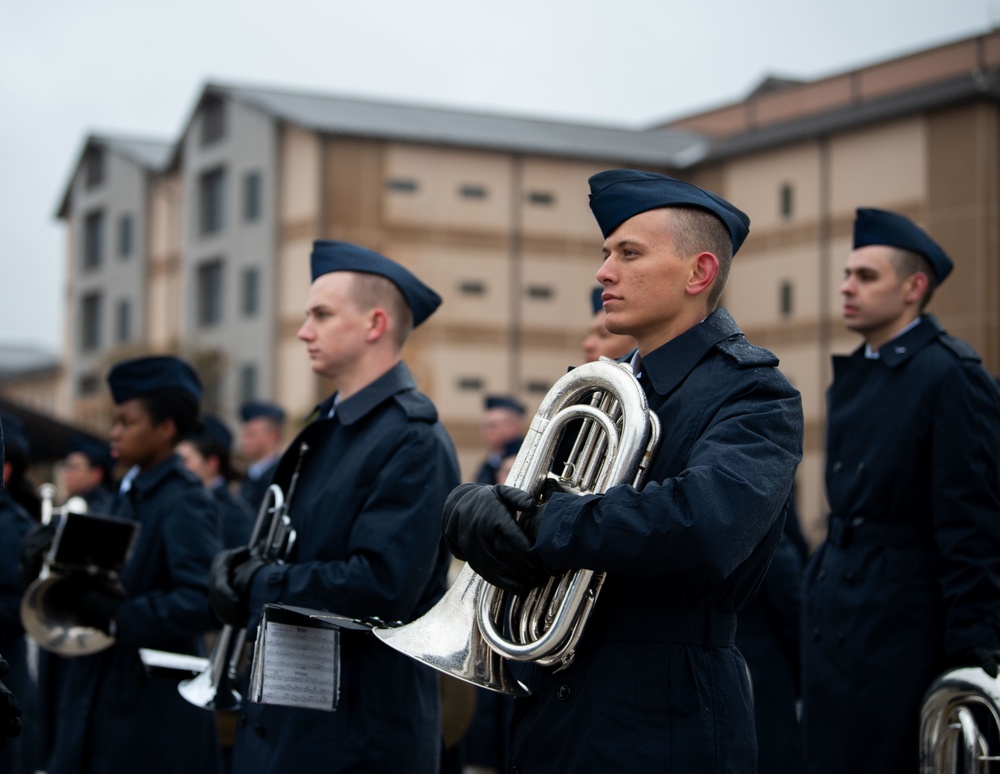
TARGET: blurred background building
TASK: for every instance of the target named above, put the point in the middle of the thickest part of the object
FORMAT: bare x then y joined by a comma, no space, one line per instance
199,245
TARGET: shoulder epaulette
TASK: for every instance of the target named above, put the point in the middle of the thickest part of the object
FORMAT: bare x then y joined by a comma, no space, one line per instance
745,354
416,405
963,349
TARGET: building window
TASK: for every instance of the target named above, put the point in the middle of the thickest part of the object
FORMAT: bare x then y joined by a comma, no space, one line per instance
542,198
471,288
539,292
123,321
93,239
786,293
125,235
90,322
250,292
212,200
472,192
786,200
213,120
248,383
209,293
88,384
467,383
251,197
538,387
93,168
402,185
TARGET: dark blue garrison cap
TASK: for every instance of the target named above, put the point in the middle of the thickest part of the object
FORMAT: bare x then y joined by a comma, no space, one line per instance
619,194
502,401
256,408
596,304
329,256
215,430
881,227
143,375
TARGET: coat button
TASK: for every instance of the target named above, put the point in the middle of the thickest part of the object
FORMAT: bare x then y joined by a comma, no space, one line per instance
563,693
515,770
837,466
822,575
259,730
817,636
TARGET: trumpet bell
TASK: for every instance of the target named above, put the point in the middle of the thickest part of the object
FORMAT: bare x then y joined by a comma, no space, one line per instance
441,639
57,630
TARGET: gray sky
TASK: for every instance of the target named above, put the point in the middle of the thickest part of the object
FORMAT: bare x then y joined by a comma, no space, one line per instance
68,68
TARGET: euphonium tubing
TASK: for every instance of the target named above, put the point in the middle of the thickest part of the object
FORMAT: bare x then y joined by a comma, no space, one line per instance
475,627
958,709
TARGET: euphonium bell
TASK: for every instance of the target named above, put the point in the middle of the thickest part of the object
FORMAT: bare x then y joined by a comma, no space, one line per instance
959,719
476,628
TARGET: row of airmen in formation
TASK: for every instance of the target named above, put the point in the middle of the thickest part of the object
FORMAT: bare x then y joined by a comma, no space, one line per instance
904,587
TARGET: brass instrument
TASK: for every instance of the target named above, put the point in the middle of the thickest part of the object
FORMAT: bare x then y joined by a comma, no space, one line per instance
273,538
959,708
476,627
88,550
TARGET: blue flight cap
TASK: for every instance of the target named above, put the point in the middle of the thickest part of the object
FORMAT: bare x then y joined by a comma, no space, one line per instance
619,194
216,430
134,378
595,299
503,401
256,408
329,255
98,453
15,439
881,227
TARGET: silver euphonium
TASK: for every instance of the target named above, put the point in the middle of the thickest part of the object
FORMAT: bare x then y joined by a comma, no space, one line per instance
476,628
87,551
959,718
272,538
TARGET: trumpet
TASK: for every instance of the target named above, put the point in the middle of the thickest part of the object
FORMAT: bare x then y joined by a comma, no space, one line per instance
87,550
273,537
476,628
958,710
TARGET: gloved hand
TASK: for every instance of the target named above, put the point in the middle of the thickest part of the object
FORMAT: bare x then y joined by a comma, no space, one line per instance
10,710
479,527
91,606
228,584
986,659
31,555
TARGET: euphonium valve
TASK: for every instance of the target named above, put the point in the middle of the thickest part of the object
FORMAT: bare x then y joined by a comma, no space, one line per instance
476,628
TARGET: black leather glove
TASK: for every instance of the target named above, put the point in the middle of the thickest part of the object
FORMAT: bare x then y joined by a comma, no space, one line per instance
10,710
228,585
31,555
479,527
91,606
987,659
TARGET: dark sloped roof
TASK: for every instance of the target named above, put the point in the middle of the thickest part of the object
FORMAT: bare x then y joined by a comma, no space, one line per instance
942,94
151,154
416,123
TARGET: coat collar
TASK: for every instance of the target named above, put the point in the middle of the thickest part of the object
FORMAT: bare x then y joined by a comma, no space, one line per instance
669,364
902,348
397,379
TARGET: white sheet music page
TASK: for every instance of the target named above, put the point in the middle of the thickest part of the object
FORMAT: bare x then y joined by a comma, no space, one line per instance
300,666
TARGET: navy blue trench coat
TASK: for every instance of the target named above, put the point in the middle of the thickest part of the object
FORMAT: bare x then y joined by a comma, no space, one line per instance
658,684
909,574
112,717
367,509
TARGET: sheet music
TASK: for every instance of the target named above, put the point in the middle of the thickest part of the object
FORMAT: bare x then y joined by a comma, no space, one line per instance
296,666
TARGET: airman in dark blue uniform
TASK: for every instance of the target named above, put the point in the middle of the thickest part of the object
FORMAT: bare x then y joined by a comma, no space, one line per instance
907,582
657,683
376,466
113,717
260,442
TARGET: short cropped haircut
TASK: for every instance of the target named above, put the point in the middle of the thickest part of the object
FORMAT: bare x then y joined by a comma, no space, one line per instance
373,290
908,263
176,405
699,231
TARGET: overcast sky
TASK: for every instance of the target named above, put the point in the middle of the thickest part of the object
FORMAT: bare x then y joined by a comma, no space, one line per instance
68,68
